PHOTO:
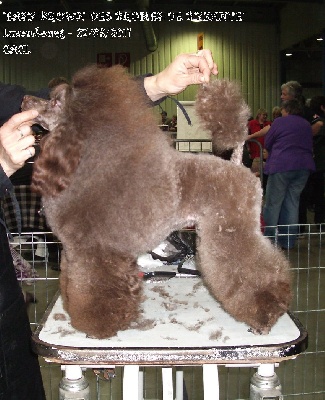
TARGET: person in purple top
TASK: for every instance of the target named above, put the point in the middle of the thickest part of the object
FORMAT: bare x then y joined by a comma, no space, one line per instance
289,143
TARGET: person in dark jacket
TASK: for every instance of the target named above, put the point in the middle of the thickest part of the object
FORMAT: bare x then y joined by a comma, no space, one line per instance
312,196
20,376
317,105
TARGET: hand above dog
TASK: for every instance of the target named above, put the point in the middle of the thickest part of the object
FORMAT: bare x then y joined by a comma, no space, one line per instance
185,70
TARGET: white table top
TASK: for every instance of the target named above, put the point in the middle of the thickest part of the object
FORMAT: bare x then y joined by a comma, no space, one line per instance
180,323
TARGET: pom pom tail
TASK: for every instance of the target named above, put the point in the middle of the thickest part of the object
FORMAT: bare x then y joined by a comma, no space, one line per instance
223,112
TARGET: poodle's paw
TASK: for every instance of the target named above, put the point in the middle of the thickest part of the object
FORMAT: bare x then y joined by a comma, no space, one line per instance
270,304
103,326
102,315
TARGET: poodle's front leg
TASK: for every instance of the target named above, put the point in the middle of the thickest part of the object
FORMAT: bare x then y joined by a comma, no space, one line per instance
102,293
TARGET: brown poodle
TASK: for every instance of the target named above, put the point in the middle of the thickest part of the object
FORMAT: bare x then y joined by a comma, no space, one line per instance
114,188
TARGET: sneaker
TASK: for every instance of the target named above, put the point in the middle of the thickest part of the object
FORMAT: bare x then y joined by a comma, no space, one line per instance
189,262
165,252
146,260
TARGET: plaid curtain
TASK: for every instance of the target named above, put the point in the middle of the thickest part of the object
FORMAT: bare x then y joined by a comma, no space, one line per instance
30,208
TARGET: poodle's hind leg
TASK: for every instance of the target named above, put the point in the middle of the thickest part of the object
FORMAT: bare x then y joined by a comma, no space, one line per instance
246,274
64,280
242,269
102,292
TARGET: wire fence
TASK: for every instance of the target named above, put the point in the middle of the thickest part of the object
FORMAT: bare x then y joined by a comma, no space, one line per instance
302,378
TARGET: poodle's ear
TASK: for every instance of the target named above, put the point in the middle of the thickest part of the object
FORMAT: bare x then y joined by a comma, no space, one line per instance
58,96
58,161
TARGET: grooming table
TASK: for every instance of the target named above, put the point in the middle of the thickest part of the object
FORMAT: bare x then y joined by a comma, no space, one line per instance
180,325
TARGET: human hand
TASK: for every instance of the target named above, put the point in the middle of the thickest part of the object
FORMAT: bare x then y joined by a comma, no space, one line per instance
16,141
185,70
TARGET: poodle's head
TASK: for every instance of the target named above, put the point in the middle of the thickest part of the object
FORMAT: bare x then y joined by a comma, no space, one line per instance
95,103
48,110
58,159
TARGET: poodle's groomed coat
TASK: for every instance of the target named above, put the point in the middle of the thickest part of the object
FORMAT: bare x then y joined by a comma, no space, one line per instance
113,188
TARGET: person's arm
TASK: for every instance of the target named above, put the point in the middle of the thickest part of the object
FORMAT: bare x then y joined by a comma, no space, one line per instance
270,137
16,141
316,127
185,70
259,133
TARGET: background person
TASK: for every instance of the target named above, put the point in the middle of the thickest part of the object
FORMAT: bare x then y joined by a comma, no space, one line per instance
312,197
255,125
288,165
292,90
